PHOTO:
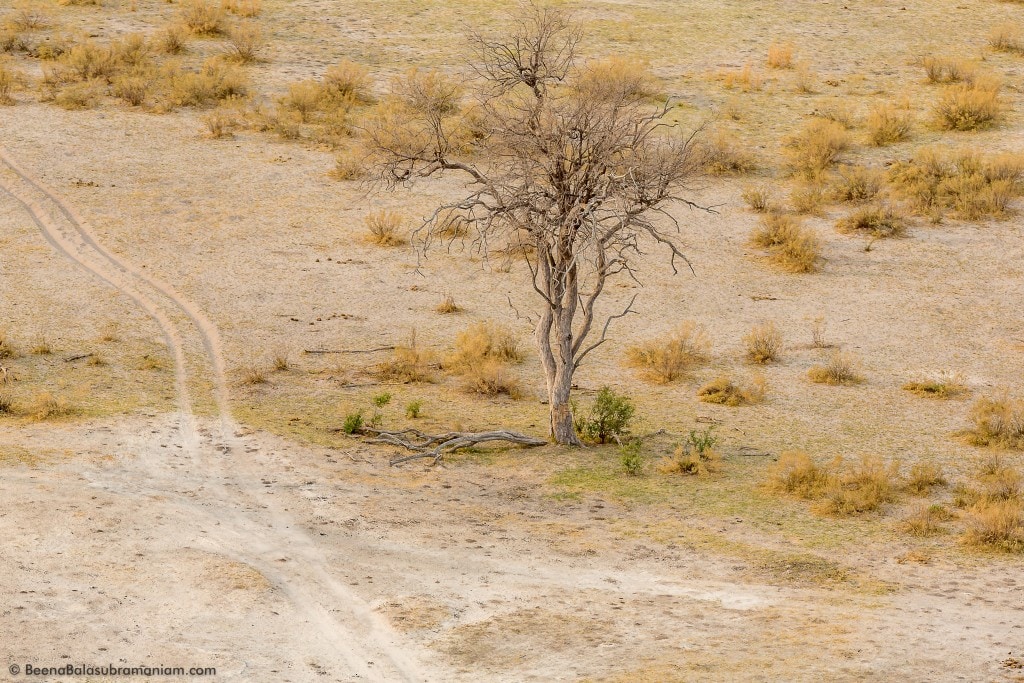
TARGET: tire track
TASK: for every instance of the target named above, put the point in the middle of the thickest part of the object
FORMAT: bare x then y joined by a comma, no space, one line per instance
380,642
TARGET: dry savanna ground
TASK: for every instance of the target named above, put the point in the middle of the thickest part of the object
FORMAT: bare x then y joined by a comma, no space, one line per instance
205,304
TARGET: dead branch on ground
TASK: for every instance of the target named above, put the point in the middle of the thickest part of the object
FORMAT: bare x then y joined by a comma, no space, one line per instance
436,445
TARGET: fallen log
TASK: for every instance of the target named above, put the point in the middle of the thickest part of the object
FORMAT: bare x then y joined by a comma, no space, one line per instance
436,445
379,348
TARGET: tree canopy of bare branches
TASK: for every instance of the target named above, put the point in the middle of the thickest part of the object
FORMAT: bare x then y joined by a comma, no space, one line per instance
571,164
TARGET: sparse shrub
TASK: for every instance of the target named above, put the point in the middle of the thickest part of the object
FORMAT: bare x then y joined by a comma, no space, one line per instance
839,113
253,375
969,107
490,378
818,340
723,391
484,341
696,455
856,184
923,477
41,346
609,417
780,56
804,79
791,246
79,96
797,474
877,221
382,399
946,386
96,360
353,423
861,488
6,405
886,125
996,525
947,70
725,155
925,520
172,40
216,80
132,51
997,421
631,457
448,306
304,98
201,17
408,364
88,61
759,199
109,332
46,406
9,80
413,409
668,358
817,146
1007,37
28,18
149,362
222,121
840,368
133,88
807,198
280,361
242,8
384,227
763,343
746,79
347,82
7,349
350,163
246,43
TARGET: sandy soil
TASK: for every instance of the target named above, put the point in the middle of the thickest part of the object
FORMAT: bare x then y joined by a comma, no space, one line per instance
184,519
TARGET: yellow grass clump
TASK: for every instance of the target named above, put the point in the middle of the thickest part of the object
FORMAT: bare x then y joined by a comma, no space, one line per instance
746,79
202,17
759,199
666,359
856,184
969,106
1007,37
763,343
817,146
878,221
780,56
790,246
482,341
408,364
925,520
863,487
242,8
724,154
840,369
923,477
996,421
947,70
945,386
724,391
246,43
795,473
385,227
887,125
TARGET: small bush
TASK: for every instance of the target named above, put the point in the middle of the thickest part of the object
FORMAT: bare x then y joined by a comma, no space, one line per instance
448,306
838,113
818,340
222,121
280,361
696,455
804,79
925,520
408,364
202,18
877,221
483,341
946,70
609,417
763,343
668,358
246,43
6,405
759,199
746,79
7,349
28,18
886,125
725,155
347,82
862,488
350,164
791,246
353,423
968,107
997,421
923,477
723,391
817,146
85,95
242,8
856,184
795,473
997,525
385,228
41,346
215,81
631,457
780,56
490,378
133,88
413,409
253,375
841,368
10,79
172,40
807,198
46,406
1007,38
943,387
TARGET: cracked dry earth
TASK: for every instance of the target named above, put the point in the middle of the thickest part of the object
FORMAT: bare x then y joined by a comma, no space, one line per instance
175,539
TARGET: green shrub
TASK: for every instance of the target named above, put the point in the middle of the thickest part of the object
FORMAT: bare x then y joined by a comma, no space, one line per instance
631,458
609,417
413,409
353,422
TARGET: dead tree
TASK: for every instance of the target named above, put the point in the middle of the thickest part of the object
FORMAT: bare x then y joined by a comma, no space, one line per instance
573,166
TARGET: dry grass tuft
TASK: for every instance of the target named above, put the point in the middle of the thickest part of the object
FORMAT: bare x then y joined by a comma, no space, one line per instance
10,80
856,184
724,154
385,228
838,112
46,406
172,40
969,107
817,146
223,121
925,520
481,342
946,386
723,391
350,163
246,43
490,378
408,364
759,199
7,349
886,125
840,369
242,8
997,421
253,375
28,18
668,358
41,347
448,306
877,221
202,18
763,343
780,56
861,488
996,525
923,477
791,247
348,81
947,70
804,79
807,198
1007,37
796,474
